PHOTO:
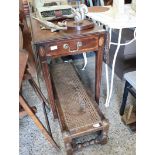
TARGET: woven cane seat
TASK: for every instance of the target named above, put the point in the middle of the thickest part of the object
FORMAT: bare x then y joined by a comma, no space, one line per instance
78,110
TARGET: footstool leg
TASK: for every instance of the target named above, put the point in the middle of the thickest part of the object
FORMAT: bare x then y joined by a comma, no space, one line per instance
68,141
69,148
104,133
125,95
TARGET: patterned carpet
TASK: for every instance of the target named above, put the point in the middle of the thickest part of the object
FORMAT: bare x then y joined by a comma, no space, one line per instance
121,140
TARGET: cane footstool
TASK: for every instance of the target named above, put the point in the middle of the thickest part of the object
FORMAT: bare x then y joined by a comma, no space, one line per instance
82,122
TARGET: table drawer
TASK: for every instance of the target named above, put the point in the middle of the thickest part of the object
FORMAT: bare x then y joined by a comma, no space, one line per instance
71,46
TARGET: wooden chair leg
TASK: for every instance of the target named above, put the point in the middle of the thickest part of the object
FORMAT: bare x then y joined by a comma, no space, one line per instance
38,92
23,113
38,123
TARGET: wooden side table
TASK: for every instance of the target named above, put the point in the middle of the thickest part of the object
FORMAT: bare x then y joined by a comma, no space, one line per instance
65,43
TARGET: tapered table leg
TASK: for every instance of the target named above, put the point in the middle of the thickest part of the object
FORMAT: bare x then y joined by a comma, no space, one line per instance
47,79
98,69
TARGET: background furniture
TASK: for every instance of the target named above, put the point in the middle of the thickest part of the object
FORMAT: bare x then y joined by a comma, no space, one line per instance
26,36
130,86
111,21
23,58
129,115
126,58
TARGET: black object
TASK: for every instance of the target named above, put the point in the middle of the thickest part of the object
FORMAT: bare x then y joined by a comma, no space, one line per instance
128,88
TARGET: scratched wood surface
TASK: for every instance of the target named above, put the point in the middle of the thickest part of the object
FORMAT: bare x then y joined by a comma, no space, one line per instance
46,35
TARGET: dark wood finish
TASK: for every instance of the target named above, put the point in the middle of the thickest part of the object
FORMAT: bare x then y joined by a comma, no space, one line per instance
90,39
89,43
98,75
108,2
47,78
40,37
86,24
26,39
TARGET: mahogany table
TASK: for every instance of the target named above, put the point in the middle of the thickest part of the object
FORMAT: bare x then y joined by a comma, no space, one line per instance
64,43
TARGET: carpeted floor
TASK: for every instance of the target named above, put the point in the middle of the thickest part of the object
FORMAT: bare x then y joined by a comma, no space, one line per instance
121,140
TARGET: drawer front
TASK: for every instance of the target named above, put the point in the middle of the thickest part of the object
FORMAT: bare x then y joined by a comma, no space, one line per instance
70,47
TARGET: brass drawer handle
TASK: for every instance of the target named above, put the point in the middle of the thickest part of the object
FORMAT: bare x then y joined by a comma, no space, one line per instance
66,46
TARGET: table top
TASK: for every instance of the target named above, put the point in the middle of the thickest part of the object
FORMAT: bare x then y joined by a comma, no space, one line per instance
42,36
127,20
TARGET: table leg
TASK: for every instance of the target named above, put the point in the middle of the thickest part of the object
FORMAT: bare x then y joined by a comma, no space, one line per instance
47,79
98,69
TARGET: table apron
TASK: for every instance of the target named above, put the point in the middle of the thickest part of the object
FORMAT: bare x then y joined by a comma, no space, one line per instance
72,46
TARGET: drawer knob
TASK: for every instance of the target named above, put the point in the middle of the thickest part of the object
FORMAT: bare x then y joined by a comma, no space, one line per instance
65,46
